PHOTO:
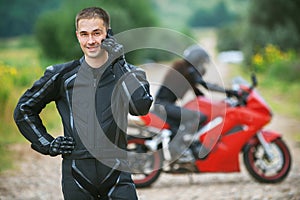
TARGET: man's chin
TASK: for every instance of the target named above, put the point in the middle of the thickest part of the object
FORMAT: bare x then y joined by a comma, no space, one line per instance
93,54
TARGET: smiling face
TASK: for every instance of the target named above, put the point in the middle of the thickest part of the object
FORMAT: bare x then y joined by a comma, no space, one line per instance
90,33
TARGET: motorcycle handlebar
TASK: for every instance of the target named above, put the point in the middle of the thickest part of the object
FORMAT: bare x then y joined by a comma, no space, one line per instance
241,96
232,93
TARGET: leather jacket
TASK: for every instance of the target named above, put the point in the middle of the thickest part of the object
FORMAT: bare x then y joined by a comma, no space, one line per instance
121,89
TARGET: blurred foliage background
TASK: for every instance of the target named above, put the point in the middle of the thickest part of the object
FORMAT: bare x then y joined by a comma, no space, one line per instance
35,34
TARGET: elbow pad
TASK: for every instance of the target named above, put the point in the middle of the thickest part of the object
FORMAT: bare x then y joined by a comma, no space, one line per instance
140,103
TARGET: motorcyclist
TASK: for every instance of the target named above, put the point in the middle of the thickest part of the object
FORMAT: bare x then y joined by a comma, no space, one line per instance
186,74
93,96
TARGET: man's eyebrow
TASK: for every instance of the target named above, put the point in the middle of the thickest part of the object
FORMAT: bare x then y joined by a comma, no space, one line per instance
99,29
92,30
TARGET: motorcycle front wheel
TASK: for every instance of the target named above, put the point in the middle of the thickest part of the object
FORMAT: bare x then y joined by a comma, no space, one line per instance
145,164
264,169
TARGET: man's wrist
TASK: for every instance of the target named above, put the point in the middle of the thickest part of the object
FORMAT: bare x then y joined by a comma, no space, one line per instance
41,149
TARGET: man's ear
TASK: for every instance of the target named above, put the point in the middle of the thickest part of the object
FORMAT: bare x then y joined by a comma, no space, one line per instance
77,35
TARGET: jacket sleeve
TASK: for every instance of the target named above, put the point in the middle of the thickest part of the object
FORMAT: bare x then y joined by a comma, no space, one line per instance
31,103
136,89
197,78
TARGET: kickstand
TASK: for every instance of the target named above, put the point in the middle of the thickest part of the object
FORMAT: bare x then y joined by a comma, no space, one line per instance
191,180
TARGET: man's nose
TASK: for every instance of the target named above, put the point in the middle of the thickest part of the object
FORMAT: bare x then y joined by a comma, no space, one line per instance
91,39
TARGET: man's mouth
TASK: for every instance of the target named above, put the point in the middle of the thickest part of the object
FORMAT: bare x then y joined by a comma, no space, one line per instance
92,48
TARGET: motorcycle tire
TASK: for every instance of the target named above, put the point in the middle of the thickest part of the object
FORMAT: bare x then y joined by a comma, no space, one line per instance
145,164
263,169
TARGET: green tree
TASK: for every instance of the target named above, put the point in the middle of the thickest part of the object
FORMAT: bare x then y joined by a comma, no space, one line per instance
272,22
229,37
213,17
19,16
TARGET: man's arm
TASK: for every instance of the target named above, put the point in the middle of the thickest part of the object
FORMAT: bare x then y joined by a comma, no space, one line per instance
134,82
26,116
137,89
197,78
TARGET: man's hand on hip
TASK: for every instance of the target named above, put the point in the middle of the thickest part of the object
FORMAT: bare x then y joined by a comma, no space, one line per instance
61,145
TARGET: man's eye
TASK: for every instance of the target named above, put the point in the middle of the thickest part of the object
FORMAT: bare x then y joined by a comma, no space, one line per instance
84,34
97,34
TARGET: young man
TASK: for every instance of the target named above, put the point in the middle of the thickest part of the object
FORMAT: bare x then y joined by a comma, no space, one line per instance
93,96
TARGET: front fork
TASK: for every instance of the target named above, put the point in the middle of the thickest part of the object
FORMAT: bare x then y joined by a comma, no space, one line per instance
266,145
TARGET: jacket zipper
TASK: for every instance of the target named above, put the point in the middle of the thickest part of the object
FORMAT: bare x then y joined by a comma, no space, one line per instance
95,83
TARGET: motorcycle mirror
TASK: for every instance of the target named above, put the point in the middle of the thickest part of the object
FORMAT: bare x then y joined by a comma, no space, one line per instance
254,80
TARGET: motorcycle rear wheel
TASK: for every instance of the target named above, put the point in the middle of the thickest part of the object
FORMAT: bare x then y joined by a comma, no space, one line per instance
145,164
266,170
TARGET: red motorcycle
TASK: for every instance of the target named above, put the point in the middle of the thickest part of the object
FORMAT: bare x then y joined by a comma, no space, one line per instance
235,125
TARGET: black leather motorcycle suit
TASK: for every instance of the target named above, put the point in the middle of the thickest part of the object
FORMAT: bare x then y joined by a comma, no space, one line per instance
125,89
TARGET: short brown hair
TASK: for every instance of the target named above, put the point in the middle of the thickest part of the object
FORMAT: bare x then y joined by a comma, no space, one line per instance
93,12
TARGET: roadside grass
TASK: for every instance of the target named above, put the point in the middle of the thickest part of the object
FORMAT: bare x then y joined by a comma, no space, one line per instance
20,66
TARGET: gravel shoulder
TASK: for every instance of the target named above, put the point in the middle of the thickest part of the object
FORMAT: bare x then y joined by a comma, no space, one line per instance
37,177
